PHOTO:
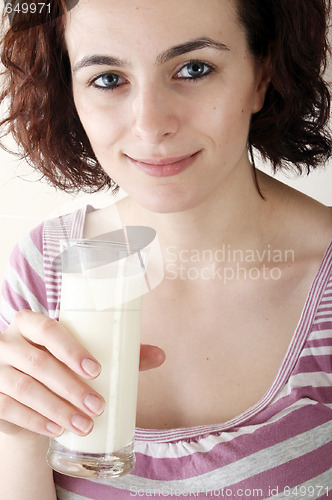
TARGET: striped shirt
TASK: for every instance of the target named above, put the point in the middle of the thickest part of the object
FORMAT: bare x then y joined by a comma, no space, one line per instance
279,448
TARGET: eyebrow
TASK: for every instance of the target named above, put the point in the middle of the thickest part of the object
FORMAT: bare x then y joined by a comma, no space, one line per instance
191,45
197,44
99,60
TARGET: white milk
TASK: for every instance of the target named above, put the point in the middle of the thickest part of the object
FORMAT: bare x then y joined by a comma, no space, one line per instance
113,337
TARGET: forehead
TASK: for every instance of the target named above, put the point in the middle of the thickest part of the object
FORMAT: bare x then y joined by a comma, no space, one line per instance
146,24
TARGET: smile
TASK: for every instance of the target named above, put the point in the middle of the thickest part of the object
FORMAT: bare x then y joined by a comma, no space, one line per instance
164,167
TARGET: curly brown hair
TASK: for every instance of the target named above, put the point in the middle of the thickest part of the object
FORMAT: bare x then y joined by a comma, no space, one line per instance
290,130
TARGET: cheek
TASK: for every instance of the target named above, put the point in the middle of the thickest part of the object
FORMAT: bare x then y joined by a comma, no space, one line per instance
228,123
229,106
102,125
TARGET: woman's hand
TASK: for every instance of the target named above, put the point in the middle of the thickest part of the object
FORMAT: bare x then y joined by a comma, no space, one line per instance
41,389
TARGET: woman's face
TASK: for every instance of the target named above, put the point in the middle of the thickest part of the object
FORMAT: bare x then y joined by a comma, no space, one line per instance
165,90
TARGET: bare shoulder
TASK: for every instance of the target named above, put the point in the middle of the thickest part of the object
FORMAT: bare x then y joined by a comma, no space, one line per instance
298,220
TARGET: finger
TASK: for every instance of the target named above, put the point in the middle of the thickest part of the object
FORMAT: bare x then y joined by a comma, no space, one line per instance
13,413
44,331
53,374
151,356
32,394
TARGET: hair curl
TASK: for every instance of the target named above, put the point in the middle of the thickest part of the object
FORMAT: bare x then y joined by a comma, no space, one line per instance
290,130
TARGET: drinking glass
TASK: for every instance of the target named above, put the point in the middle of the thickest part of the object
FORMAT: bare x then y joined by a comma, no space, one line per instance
102,287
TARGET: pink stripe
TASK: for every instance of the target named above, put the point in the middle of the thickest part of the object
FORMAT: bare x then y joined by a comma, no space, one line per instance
324,325
327,342
89,489
319,326
37,237
312,364
14,299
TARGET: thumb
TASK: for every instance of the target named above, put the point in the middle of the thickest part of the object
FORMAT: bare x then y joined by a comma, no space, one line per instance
151,357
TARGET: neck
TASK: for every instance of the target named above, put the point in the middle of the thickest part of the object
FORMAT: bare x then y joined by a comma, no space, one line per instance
235,217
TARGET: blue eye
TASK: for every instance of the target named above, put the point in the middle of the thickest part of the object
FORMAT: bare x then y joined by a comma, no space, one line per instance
194,70
107,81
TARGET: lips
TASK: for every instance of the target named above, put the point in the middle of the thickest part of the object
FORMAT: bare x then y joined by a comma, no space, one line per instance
164,167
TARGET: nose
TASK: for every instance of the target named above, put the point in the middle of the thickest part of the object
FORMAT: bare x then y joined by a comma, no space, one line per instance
155,117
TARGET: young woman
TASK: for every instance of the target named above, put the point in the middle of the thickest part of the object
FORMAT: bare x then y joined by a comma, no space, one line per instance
167,99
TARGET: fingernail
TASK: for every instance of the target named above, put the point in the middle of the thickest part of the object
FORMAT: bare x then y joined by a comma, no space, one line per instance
82,423
94,403
91,367
54,429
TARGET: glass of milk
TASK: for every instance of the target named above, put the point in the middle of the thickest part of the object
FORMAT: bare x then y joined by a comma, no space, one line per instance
102,287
